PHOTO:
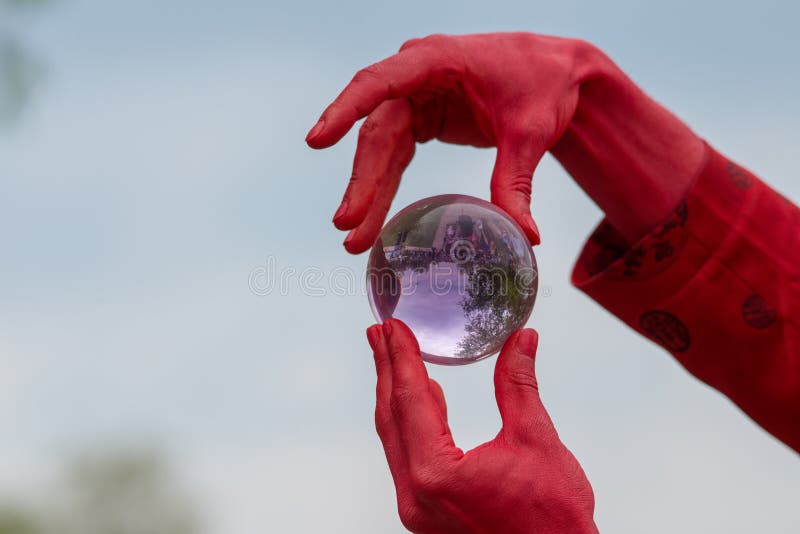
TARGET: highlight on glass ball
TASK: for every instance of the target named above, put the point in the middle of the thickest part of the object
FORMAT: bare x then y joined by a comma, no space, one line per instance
458,271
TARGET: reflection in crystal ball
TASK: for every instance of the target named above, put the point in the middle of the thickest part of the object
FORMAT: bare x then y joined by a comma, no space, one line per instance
458,271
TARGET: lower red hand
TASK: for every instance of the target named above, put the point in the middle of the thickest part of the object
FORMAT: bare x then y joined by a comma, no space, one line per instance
525,480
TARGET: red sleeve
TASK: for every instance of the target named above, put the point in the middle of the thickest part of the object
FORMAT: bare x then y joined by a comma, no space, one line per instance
718,286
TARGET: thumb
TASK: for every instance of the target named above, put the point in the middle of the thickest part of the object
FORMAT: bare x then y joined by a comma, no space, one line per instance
517,158
517,390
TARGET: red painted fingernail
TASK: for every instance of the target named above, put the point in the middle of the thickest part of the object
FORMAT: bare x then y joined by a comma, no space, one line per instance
348,240
341,212
373,333
387,327
526,342
316,130
531,230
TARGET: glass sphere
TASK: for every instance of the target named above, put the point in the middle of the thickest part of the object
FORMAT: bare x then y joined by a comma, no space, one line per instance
458,271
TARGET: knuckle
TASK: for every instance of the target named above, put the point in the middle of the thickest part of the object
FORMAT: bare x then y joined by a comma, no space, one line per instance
355,177
450,62
400,349
522,188
512,184
409,43
520,182
377,134
369,126
367,74
583,47
426,481
523,379
383,419
437,39
401,398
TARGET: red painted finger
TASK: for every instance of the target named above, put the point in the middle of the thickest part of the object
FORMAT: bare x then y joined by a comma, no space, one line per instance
382,132
397,76
362,237
518,154
423,430
517,390
407,503
384,422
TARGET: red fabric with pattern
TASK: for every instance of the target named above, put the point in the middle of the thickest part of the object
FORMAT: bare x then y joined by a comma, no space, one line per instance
718,285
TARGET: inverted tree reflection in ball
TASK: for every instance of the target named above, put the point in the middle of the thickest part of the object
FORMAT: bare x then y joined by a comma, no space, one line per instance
458,271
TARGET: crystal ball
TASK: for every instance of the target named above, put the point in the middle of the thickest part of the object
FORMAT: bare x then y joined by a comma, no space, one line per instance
458,271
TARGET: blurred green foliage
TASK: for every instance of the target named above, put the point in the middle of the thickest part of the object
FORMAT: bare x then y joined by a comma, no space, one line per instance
122,492
16,519
19,71
18,75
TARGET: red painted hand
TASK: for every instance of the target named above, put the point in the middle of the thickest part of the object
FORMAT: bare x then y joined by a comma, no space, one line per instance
524,94
525,480
501,90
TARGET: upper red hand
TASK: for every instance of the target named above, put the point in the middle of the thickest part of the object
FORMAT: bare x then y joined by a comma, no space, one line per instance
513,91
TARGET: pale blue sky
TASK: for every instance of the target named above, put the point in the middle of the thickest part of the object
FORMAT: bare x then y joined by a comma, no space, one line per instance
163,160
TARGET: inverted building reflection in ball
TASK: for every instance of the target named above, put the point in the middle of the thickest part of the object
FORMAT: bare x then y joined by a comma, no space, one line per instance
458,271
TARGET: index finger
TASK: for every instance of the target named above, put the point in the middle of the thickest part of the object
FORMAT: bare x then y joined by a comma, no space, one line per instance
423,430
397,76
384,424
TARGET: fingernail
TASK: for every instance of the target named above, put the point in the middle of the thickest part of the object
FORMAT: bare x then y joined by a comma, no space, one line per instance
348,240
341,211
373,333
531,230
526,342
316,130
387,327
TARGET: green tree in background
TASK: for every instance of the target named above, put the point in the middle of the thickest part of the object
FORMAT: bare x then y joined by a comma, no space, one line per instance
16,519
123,492
19,72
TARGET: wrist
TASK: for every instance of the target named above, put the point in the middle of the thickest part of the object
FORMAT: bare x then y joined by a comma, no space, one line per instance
631,155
